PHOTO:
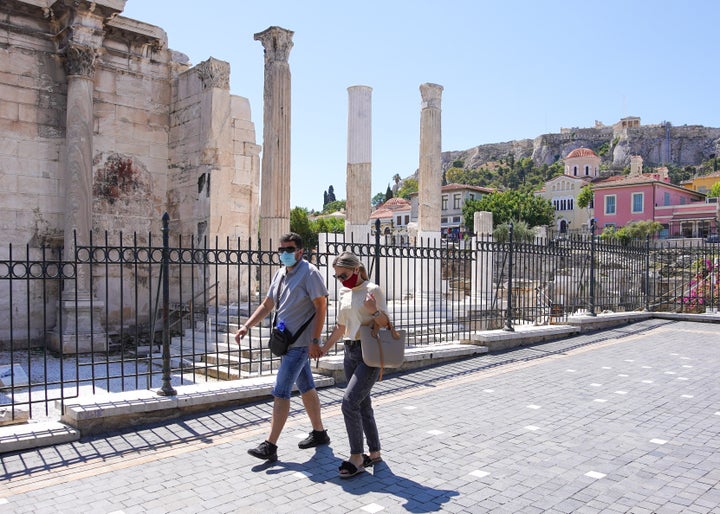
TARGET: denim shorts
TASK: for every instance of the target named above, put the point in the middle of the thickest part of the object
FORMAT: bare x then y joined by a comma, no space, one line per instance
294,369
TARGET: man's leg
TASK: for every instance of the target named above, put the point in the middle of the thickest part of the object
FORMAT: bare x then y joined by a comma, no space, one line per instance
311,401
281,410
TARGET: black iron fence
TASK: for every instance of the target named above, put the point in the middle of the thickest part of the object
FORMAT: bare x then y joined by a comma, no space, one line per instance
141,313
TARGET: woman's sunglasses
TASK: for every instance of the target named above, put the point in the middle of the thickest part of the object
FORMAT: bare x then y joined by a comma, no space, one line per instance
343,276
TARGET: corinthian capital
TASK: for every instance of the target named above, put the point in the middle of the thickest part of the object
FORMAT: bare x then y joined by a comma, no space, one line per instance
277,43
80,60
214,73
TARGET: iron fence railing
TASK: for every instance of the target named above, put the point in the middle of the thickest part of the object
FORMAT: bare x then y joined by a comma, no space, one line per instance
162,314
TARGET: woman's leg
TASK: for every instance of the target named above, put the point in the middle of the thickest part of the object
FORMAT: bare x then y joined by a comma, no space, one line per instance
356,405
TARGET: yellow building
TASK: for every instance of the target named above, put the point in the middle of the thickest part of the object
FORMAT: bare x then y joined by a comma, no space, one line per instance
702,184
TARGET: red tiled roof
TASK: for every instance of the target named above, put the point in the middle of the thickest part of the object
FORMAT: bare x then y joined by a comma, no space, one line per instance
581,152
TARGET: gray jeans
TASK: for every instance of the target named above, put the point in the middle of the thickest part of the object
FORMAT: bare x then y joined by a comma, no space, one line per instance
357,404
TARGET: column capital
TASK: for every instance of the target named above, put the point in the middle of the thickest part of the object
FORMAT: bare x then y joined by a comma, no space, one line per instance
277,43
84,30
431,94
80,60
214,73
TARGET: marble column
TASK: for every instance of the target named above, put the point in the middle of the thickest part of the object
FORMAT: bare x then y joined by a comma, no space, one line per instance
79,328
429,280
359,163
430,176
275,179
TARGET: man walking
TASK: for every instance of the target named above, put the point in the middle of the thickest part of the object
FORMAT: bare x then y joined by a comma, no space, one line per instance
298,293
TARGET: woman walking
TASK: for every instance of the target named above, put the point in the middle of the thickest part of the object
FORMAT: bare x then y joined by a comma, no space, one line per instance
360,302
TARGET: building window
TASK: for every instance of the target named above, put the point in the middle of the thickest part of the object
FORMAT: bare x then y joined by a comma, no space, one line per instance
666,198
443,220
575,170
637,202
444,202
610,204
456,201
456,219
407,219
399,220
587,170
471,196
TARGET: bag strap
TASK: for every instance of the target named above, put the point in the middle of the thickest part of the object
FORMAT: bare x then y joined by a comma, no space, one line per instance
382,357
295,337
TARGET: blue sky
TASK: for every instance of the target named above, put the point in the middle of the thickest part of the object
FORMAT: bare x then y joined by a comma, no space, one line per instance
510,69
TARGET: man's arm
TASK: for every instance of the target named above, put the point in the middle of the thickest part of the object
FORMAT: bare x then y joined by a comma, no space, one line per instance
260,313
317,326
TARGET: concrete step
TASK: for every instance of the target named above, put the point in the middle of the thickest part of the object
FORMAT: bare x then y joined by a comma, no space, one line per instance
15,438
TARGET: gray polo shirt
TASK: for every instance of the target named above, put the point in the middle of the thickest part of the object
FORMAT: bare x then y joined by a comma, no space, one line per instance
293,293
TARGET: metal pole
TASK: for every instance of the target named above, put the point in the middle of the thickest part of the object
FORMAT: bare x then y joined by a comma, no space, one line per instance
377,251
167,388
508,316
647,273
591,307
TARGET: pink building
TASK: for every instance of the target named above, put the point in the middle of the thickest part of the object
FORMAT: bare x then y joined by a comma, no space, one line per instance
620,200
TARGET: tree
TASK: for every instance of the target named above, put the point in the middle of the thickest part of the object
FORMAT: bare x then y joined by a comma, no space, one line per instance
714,190
409,185
329,196
585,199
377,200
633,231
388,193
331,225
337,205
522,233
396,178
300,224
511,206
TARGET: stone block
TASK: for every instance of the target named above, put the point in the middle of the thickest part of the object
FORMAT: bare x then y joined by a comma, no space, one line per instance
13,375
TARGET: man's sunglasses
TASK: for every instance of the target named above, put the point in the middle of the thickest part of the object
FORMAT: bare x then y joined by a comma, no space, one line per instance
288,249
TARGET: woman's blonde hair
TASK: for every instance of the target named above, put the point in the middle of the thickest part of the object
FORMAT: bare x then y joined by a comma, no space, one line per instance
350,260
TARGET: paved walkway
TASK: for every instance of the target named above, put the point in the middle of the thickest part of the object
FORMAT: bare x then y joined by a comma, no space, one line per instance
626,420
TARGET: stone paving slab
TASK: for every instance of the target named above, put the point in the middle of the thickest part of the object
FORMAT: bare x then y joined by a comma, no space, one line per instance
618,421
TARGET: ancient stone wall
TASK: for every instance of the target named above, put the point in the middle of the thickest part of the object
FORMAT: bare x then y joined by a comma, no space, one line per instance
166,136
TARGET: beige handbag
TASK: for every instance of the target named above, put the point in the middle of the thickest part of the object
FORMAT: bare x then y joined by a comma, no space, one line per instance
384,350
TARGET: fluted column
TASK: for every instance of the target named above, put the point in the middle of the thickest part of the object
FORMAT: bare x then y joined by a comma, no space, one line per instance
359,163
275,180
430,177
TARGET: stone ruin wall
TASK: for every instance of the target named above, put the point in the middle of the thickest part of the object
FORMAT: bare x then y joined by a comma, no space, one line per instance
166,137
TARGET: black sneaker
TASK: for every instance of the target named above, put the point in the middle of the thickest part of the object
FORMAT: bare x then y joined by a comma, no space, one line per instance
265,450
316,438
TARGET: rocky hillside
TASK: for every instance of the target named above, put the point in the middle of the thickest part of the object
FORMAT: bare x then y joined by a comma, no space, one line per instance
657,144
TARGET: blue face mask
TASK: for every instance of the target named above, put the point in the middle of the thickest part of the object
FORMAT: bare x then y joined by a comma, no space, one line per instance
288,259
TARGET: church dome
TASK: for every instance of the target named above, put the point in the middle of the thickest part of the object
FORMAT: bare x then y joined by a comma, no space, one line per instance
581,152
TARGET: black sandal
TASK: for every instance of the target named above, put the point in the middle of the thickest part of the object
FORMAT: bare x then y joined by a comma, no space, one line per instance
348,469
369,462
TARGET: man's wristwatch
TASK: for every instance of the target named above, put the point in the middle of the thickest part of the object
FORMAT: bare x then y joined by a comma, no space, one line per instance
316,340
375,314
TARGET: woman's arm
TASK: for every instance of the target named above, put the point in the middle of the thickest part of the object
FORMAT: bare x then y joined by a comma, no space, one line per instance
336,335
